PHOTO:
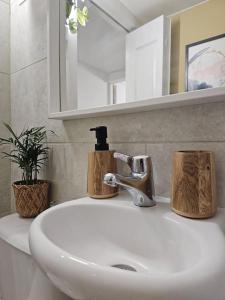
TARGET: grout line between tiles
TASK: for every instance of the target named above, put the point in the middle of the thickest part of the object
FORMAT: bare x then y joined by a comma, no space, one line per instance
26,67
142,143
4,73
169,142
5,2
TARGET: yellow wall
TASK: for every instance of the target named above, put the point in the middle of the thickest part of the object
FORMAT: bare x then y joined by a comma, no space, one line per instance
198,23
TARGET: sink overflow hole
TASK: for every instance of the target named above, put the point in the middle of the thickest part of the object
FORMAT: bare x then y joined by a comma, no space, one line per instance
124,267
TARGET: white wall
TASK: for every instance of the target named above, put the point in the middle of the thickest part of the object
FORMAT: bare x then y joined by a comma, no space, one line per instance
82,86
4,103
92,90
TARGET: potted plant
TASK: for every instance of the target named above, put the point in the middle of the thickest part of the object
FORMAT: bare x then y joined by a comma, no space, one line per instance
29,152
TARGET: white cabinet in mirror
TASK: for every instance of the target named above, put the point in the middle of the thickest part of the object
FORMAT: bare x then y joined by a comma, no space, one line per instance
114,64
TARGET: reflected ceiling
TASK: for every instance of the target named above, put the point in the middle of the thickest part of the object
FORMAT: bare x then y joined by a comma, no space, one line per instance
146,10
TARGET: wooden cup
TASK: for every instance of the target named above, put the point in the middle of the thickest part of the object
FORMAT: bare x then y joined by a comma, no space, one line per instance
194,184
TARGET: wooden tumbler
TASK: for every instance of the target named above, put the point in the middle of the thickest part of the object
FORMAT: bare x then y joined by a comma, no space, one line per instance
194,184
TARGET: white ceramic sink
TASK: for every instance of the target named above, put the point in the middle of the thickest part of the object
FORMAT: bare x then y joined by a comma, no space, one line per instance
82,244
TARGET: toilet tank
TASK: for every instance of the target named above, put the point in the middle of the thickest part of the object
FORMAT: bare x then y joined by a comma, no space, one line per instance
20,276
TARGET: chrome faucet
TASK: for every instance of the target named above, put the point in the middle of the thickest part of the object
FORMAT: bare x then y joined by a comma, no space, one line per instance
140,181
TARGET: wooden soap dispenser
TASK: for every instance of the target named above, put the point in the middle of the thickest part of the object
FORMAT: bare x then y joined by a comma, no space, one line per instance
100,162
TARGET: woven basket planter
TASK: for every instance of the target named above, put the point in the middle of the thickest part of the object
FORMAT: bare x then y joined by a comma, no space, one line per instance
31,200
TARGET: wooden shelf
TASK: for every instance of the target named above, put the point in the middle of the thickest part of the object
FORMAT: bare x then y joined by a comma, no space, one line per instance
169,101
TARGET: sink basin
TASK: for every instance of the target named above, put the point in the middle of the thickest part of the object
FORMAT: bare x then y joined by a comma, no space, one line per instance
113,250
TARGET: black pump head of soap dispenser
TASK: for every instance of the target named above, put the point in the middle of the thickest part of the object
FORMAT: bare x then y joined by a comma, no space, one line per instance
101,135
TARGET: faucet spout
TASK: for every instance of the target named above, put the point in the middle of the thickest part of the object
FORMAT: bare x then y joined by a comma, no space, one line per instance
140,181
139,198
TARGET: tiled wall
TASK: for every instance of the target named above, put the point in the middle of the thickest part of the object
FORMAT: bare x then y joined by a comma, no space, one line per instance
4,103
157,133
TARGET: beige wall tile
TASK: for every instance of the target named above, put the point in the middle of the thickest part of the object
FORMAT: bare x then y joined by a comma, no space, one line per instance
4,38
4,181
29,101
28,33
67,170
193,123
29,96
4,103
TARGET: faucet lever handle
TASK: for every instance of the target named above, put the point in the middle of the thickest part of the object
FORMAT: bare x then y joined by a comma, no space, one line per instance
123,157
141,164
138,164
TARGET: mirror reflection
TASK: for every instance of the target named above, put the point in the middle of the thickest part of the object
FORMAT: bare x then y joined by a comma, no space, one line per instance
104,61
93,62
101,60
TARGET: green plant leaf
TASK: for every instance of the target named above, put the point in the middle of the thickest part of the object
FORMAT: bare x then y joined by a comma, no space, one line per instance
85,11
73,26
13,133
69,6
81,17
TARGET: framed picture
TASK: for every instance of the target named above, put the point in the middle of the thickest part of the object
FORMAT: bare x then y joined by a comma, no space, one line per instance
205,64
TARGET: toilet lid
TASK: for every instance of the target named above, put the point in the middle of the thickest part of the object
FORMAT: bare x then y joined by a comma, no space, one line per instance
15,230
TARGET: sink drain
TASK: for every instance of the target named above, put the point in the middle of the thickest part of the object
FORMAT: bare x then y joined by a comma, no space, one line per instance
124,267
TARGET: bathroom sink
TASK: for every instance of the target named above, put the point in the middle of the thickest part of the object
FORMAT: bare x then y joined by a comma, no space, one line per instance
112,250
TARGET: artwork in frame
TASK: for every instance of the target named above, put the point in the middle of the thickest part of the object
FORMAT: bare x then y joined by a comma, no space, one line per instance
205,64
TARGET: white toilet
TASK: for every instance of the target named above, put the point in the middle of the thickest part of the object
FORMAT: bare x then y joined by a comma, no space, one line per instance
20,277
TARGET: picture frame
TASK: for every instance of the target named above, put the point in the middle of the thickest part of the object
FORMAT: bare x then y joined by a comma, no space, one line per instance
205,64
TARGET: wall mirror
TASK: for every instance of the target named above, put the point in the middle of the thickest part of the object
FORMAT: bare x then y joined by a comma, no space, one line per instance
124,55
